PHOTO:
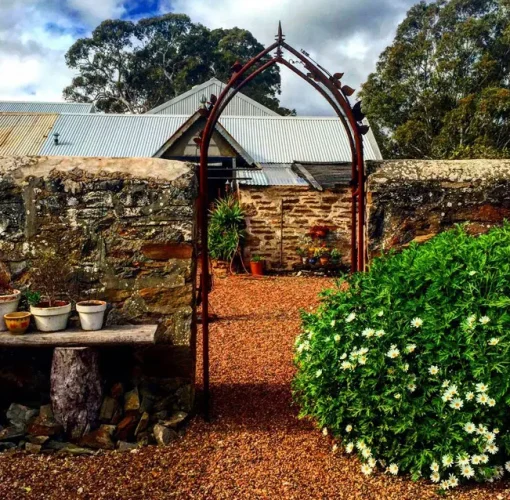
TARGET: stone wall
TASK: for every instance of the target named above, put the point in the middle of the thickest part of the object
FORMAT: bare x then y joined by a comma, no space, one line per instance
278,216
412,200
128,226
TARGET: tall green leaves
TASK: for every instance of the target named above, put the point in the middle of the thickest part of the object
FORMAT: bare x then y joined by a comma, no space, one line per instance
412,355
442,89
226,229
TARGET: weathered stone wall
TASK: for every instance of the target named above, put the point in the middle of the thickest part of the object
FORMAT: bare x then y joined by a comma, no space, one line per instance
279,216
128,225
412,200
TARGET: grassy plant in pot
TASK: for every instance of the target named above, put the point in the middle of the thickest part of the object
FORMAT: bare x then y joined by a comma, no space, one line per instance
257,265
52,278
9,297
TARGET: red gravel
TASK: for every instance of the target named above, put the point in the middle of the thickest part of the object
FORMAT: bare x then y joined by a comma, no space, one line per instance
255,447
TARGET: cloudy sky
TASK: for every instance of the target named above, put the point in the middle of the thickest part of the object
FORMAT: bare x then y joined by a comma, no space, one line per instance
342,35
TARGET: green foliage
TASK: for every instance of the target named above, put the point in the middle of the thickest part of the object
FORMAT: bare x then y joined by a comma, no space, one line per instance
410,365
226,229
256,258
133,67
442,89
33,298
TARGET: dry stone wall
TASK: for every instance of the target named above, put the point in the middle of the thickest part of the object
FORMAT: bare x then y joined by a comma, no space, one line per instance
279,216
412,200
129,228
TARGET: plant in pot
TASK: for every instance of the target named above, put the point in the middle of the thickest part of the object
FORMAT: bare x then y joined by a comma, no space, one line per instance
335,255
303,254
324,255
226,230
51,286
256,265
9,296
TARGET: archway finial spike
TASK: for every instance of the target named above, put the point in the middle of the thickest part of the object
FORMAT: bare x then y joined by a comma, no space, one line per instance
280,37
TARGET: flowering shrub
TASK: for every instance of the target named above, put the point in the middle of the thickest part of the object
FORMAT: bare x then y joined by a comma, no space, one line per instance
410,366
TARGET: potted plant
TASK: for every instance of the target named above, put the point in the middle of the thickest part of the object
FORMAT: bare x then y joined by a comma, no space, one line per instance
51,285
304,257
335,255
9,297
319,232
91,313
324,255
257,265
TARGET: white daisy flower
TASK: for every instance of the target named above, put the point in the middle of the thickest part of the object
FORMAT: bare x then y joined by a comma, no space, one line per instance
507,466
349,447
336,338
491,448
470,396
434,467
368,332
363,350
343,356
462,460
350,318
334,448
482,429
454,391
366,469
457,404
366,452
417,322
496,431
447,460
411,387
346,365
380,333
484,320
348,428
484,458
482,398
361,445
362,360
489,436
405,367
476,460
446,383
493,341
433,370
470,427
491,402
410,348
393,469
372,462
325,431
467,471
471,320
380,314
318,373
453,481
445,485
398,396
447,396
393,352
435,477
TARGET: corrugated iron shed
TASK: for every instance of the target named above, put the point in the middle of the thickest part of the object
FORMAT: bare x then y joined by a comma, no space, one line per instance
272,175
24,134
289,139
324,175
189,102
111,135
45,107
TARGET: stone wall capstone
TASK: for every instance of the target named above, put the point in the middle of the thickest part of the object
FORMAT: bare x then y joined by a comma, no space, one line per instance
129,228
412,200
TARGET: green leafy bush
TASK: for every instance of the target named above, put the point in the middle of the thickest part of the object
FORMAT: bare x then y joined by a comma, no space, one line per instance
226,229
409,366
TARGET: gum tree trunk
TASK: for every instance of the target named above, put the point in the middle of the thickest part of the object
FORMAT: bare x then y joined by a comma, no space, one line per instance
76,391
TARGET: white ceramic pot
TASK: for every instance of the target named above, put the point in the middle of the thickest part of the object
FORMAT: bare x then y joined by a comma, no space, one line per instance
51,319
8,304
91,314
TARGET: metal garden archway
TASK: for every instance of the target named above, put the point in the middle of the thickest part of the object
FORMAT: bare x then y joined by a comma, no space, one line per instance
331,88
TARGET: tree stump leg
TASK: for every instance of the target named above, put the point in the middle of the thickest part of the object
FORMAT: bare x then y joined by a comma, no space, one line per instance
76,391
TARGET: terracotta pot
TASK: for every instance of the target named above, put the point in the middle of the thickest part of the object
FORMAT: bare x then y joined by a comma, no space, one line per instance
17,322
324,261
51,319
91,314
257,268
8,304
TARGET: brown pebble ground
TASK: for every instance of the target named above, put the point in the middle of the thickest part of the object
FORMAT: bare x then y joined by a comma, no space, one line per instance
254,447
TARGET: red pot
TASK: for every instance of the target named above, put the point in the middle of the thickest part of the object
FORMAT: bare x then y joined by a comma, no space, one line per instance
257,268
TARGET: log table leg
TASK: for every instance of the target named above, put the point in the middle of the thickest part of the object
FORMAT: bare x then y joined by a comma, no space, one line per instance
76,389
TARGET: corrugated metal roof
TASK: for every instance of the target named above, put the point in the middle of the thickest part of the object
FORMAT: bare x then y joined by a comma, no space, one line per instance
189,102
45,107
272,175
24,134
111,135
289,139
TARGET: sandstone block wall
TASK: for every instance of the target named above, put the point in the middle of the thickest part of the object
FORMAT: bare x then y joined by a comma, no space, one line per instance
412,200
278,216
129,227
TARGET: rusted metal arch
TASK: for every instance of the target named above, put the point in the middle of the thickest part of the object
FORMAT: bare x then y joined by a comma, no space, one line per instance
351,120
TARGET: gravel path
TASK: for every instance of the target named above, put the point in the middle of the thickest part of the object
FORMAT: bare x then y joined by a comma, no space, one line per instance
255,447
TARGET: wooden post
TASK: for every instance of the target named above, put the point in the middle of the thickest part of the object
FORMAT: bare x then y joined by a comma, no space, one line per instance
76,391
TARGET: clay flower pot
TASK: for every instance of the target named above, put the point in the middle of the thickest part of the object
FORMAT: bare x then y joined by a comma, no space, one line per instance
324,261
17,322
257,268
8,304
51,319
91,314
